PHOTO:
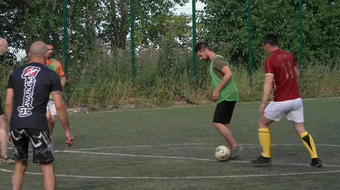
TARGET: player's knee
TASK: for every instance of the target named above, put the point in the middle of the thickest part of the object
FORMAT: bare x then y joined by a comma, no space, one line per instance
21,165
215,124
260,124
53,120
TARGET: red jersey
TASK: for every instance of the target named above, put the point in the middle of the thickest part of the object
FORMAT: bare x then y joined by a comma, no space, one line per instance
282,65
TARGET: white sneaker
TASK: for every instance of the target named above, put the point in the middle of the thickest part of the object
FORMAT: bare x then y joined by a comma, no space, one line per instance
235,153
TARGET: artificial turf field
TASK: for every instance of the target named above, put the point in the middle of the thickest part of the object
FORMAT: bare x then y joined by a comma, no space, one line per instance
174,149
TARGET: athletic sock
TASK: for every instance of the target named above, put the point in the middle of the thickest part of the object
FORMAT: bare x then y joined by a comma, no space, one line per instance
265,138
308,141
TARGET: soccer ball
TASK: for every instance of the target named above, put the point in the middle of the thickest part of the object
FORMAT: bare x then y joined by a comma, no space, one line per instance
222,153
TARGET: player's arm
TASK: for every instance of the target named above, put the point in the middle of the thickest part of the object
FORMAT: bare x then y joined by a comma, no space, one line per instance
297,73
62,113
61,74
267,90
227,75
9,104
63,80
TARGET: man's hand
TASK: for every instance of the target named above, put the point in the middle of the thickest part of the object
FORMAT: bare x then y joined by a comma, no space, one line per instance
262,108
215,95
69,138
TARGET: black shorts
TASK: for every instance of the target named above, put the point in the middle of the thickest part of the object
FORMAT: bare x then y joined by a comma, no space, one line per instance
41,144
224,111
1,110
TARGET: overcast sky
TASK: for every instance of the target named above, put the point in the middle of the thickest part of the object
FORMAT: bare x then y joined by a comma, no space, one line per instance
187,8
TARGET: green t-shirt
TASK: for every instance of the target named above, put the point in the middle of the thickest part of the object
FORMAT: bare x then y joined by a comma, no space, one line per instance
230,91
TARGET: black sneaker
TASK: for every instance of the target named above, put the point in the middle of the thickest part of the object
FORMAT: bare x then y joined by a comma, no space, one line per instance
261,161
316,163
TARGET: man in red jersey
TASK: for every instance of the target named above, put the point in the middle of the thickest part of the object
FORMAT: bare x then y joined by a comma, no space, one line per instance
282,76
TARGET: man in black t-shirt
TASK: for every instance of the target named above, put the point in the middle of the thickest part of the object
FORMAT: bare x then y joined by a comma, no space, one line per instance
28,92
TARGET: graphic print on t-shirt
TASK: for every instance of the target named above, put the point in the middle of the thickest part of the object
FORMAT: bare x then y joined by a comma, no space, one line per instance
29,74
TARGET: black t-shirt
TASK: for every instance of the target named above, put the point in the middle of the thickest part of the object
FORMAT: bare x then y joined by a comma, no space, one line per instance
32,85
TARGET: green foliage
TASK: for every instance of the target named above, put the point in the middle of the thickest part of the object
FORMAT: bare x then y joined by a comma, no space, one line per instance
105,80
94,25
224,23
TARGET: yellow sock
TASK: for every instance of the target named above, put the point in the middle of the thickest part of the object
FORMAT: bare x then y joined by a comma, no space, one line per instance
308,141
265,138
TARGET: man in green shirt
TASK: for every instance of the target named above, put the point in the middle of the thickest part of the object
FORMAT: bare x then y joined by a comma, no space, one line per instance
225,94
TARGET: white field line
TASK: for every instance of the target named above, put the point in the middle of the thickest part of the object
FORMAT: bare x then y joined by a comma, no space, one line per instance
134,155
188,144
172,157
142,146
181,177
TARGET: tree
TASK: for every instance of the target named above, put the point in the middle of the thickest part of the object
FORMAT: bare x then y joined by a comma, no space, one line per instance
224,22
93,24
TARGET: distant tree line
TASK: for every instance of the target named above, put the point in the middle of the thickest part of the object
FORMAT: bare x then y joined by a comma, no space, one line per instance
97,26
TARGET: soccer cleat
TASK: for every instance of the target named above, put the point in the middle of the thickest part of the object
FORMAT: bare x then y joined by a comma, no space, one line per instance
7,160
316,162
261,161
235,153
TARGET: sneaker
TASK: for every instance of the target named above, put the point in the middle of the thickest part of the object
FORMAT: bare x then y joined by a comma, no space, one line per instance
7,160
316,162
261,161
235,153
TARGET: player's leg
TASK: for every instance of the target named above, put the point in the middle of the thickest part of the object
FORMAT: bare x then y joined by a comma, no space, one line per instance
52,123
18,174
222,117
297,117
49,178
43,154
273,112
307,139
226,132
20,143
51,114
3,137
265,138
48,116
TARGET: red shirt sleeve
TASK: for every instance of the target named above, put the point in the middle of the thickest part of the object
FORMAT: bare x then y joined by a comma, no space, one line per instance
268,67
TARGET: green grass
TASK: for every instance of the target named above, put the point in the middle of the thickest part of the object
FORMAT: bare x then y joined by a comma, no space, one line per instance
187,132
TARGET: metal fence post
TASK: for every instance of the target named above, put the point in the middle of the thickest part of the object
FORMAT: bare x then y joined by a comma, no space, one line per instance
65,35
194,58
250,43
132,25
300,37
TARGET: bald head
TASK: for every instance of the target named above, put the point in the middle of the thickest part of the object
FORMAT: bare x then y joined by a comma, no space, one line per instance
38,50
3,46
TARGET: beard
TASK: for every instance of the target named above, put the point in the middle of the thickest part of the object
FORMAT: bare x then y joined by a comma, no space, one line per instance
206,59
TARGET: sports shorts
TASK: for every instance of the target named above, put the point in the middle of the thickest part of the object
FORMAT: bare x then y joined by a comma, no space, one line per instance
41,144
292,109
51,107
223,112
1,110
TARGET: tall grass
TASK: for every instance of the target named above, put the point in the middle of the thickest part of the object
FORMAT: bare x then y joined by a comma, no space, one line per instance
104,81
